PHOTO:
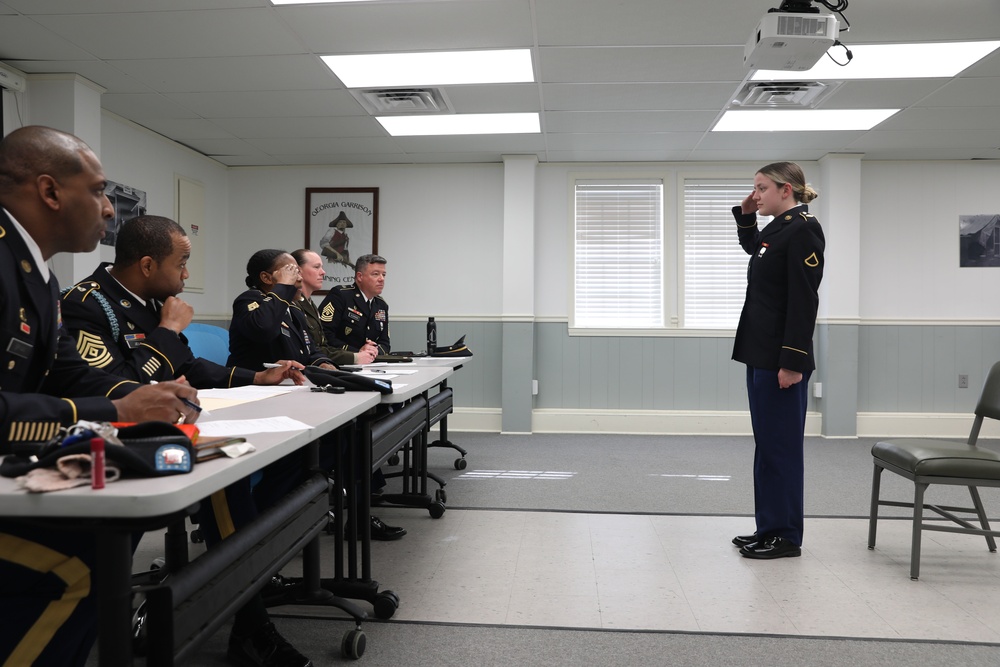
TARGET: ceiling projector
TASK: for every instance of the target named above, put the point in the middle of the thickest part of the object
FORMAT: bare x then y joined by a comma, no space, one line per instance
790,41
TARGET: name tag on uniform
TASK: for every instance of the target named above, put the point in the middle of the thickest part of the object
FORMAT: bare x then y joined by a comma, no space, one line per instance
19,348
134,340
354,315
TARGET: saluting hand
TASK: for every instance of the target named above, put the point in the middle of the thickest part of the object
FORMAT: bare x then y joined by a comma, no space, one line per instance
287,274
748,205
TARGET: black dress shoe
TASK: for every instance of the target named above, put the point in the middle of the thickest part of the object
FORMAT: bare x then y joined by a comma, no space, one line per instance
380,531
771,547
279,588
745,540
264,648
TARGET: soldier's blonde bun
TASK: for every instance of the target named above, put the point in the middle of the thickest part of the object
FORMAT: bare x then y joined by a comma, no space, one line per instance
791,173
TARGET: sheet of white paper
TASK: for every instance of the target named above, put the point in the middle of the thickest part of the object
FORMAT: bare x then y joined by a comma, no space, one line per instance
378,375
229,427
251,392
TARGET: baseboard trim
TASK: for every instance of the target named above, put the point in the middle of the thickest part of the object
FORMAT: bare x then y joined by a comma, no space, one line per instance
671,422
922,425
484,420
652,422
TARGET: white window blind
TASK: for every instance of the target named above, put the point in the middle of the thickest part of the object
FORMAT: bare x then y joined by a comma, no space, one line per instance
715,266
618,274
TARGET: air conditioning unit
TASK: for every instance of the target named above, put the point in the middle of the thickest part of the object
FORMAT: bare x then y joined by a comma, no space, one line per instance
11,79
789,41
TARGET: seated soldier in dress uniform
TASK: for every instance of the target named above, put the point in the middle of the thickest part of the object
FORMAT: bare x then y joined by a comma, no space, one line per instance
127,319
52,199
355,314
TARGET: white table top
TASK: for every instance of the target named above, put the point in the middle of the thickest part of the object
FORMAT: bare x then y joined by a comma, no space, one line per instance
132,498
416,383
147,497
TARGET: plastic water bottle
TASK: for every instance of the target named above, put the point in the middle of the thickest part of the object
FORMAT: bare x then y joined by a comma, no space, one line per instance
432,335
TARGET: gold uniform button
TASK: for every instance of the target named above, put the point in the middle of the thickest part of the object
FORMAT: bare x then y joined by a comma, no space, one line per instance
26,265
10,364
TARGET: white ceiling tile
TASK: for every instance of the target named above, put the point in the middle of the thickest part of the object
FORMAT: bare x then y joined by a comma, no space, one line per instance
283,106
252,73
636,64
144,106
624,80
206,34
402,27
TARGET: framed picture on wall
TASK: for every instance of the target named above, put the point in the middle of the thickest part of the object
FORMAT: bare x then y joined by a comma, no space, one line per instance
128,202
341,225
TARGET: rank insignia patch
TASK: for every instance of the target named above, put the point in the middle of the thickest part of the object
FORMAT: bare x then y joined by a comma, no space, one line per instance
327,313
93,350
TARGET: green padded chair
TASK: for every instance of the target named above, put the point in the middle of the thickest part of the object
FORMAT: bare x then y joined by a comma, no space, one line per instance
927,462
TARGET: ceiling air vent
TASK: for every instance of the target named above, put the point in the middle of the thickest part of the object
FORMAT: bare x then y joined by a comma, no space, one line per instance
771,94
386,101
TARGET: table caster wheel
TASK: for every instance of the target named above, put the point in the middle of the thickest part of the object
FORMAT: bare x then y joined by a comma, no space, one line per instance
460,464
353,645
393,460
386,603
441,496
196,536
436,510
139,630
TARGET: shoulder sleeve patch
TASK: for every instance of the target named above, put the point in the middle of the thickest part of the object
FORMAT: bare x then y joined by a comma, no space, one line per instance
252,306
812,261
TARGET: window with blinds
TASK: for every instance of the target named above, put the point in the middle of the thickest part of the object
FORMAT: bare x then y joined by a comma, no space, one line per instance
618,241
715,266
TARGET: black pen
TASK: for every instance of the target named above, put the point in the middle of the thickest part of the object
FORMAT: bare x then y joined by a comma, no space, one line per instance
197,408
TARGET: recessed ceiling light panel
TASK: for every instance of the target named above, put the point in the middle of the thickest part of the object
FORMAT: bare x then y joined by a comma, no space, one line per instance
473,123
804,120
435,68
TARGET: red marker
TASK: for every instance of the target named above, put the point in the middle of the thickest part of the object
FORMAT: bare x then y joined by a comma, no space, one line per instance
97,463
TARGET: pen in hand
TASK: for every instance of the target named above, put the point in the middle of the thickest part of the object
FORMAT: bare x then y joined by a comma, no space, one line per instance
195,406
191,404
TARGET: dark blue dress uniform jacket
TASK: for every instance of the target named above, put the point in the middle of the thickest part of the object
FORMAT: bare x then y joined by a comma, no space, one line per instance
779,314
47,611
267,327
44,384
142,350
348,321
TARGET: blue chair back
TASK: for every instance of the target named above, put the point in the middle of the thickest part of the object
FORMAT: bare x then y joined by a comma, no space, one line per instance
208,342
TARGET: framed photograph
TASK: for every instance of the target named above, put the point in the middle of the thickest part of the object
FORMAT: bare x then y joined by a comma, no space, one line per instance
341,225
979,240
128,203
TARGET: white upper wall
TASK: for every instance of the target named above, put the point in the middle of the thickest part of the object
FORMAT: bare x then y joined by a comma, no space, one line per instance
910,241
141,159
440,228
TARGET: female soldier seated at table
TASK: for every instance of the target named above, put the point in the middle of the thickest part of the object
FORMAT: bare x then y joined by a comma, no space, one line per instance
266,324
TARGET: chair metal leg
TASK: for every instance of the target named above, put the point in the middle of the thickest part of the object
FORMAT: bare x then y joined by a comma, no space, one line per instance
918,516
983,521
873,513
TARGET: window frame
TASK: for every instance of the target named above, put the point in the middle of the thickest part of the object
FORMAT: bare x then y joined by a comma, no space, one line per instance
673,260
